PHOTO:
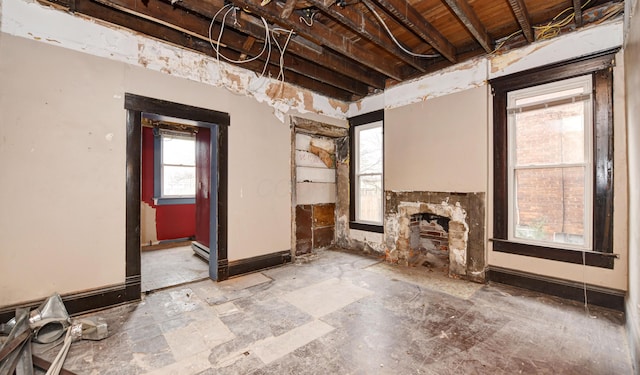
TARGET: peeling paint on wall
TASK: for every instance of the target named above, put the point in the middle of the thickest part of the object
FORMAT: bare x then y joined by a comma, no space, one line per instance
477,71
582,42
29,19
148,234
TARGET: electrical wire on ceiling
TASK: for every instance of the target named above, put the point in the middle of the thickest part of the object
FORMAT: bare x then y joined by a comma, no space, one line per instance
548,31
216,46
267,47
553,28
311,16
504,40
384,24
282,49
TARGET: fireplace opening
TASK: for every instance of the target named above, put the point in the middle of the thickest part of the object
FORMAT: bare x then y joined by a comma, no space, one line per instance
429,241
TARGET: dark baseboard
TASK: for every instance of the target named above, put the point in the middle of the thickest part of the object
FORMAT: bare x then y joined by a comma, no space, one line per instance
84,302
242,266
599,296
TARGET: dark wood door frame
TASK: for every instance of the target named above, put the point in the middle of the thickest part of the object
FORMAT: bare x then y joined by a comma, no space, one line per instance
135,106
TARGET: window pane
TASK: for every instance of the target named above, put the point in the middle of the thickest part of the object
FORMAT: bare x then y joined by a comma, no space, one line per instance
551,135
179,181
370,195
178,150
370,150
550,205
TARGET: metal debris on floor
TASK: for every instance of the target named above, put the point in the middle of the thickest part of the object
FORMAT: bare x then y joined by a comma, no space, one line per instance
49,324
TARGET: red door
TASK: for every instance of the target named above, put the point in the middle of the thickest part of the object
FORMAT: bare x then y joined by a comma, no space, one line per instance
203,185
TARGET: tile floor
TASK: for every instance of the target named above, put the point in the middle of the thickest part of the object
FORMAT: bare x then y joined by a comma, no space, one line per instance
169,267
341,313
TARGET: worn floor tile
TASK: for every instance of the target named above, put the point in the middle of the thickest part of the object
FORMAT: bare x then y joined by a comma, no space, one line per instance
336,312
326,297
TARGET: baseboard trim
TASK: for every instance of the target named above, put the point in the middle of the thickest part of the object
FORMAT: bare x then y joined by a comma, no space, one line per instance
200,250
261,262
87,301
596,295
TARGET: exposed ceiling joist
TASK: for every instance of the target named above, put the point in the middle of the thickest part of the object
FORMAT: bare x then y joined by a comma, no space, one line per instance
414,21
524,20
577,9
362,26
348,49
115,12
323,35
314,54
465,13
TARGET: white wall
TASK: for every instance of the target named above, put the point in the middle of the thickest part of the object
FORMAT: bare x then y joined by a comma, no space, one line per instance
438,144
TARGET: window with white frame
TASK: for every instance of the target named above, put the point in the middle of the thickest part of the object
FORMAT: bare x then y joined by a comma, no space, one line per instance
367,172
175,180
550,168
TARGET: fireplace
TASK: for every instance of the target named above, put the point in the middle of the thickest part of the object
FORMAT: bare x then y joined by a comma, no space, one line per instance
431,228
429,241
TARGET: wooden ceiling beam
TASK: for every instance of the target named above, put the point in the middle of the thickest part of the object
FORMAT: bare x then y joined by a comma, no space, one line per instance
245,46
251,26
470,20
577,10
522,15
289,6
174,36
248,43
415,22
323,35
362,26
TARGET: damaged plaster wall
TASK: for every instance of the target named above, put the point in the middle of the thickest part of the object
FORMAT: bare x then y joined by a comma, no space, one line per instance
315,170
29,19
442,150
62,156
477,71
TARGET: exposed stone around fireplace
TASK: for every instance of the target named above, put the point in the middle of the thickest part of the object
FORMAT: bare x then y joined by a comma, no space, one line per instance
466,228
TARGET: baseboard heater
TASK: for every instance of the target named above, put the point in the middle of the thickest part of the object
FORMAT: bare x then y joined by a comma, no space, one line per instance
200,250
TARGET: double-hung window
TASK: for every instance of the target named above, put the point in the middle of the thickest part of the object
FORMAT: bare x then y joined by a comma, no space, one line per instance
553,162
550,168
175,167
367,172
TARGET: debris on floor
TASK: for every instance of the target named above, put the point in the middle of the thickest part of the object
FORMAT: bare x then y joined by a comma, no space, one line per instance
48,324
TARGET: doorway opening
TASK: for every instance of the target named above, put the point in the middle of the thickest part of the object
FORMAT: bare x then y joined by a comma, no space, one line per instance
175,168
211,125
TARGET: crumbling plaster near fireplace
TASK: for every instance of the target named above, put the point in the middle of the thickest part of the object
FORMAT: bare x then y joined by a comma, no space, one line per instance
466,215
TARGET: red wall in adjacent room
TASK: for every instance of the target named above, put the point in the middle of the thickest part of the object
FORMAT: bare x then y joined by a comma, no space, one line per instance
172,221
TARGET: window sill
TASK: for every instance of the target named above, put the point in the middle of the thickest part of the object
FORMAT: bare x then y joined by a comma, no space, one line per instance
170,201
366,227
591,258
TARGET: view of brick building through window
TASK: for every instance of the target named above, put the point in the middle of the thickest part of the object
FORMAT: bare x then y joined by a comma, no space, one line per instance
550,186
369,173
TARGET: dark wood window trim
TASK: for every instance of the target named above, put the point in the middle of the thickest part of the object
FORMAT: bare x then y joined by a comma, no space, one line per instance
600,66
363,119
